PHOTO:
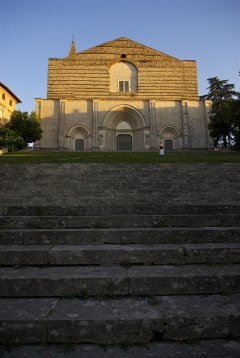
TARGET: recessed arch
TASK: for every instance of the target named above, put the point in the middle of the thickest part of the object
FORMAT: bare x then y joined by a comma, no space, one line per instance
170,136
124,119
78,138
78,130
169,132
125,113
123,71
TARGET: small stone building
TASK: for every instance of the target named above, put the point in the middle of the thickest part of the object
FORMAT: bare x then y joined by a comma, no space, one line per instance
122,95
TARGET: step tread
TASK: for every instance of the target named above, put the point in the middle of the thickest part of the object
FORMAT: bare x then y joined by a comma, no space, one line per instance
116,321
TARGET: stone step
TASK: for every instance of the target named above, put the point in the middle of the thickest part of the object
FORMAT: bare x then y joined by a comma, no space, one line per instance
215,348
86,281
120,236
119,321
72,184
95,254
119,221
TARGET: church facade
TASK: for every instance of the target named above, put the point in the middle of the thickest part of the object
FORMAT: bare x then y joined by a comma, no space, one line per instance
122,95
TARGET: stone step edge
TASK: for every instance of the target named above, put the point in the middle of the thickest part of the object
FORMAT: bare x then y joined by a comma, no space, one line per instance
120,254
119,321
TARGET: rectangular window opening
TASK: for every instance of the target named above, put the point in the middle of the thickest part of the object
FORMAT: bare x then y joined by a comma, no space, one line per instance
123,86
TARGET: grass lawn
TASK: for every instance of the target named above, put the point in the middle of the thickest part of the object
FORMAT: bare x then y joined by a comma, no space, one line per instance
119,157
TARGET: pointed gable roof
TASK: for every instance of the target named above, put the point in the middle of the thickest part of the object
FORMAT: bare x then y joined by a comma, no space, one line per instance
127,46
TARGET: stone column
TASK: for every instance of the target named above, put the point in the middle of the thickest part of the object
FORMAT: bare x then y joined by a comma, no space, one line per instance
95,125
152,117
61,138
185,125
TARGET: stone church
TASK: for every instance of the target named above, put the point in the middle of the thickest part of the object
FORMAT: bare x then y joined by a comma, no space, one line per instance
122,95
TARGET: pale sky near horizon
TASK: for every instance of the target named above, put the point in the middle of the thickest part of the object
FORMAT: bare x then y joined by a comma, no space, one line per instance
33,31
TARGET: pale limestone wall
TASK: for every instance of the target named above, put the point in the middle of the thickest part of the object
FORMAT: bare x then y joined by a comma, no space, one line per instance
48,111
83,101
98,122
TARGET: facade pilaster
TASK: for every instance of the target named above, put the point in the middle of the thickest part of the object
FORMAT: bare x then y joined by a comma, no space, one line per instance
185,125
95,104
152,117
61,138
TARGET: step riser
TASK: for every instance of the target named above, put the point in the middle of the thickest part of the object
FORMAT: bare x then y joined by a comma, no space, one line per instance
129,255
45,222
117,281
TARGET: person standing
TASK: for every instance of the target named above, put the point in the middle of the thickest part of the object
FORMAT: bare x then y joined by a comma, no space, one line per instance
161,149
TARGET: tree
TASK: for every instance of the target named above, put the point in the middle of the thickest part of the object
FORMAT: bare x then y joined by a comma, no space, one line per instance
224,119
234,114
10,139
26,126
219,92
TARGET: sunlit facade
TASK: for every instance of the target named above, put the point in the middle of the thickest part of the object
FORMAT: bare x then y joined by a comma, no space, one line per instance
122,95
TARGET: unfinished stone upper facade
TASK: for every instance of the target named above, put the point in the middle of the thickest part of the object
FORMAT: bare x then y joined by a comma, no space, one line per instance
122,95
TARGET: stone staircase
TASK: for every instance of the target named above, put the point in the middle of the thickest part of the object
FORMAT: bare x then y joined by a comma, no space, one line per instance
120,261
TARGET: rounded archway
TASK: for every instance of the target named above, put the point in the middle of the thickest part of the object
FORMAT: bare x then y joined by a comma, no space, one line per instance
169,135
124,124
78,138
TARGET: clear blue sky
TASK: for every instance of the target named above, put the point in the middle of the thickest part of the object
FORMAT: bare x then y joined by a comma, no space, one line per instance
33,31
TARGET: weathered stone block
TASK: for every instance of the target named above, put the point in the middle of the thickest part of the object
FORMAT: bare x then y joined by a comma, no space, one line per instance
63,281
116,254
24,320
104,322
212,253
194,317
191,279
23,255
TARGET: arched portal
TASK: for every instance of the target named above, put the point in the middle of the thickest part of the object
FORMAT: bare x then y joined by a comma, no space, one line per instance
124,124
170,136
78,138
